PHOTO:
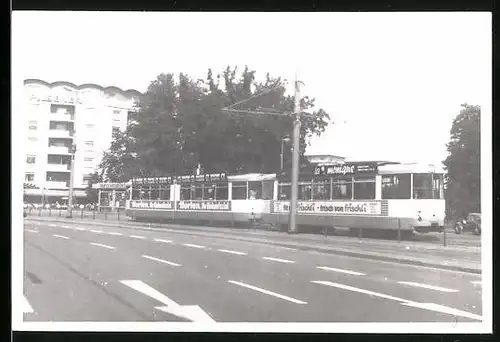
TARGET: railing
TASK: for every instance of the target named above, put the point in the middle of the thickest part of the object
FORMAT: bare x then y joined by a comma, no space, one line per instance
60,133
58,168
58,150
56,185
62,117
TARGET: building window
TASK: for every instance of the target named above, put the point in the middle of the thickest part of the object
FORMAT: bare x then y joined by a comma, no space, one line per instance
29,177
89,143
89,126
30,159
32,127
116,130
32,138
33,122
88,159
117,112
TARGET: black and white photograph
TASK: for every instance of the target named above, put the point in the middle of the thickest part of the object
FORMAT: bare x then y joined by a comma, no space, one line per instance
252,171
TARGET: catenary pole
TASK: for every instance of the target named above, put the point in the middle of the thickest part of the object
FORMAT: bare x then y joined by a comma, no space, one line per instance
292,223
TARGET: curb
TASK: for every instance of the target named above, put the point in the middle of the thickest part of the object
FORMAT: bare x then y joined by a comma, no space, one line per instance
307,248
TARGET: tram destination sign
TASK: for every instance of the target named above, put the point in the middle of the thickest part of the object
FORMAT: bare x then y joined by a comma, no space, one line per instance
332,207
212,177
347,169
204,205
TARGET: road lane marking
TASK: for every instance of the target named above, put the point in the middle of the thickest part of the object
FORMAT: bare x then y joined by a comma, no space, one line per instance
279,260
52,225
26,306
231,252
161,240
31,230
194,246
60,236
426,306
290,299
148,291
425,286
191,312
137,236
355,289
101,245
160,260
476,282
97,231
115,233
443,309
79,228
339,270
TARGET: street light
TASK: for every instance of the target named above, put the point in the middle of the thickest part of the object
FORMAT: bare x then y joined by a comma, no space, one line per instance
285,139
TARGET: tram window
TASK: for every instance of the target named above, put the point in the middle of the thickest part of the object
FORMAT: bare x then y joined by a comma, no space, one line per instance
364,188
239,190
267,190
396,186
305,191
208,192
155,193
105,199
284,192
135,194
422,186
185,193
221,192
165,193
437,186
255,190
342,189
321,189
198,192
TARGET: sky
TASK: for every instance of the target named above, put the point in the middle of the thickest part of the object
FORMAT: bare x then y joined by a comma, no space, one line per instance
391,82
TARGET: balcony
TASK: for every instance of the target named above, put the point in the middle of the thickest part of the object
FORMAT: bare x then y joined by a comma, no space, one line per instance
60,133
58,168
58,150
63,117
56,185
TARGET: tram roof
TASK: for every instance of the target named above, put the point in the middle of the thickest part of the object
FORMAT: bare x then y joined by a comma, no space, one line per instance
252,177
409,168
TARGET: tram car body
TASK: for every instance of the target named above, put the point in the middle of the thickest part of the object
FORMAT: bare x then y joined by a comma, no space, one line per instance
357,195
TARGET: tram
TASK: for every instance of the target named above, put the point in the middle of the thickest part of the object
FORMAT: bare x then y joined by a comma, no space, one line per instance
384,196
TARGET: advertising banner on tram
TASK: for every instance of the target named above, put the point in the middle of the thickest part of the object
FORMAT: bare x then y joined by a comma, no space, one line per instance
204,205
331,207
164,205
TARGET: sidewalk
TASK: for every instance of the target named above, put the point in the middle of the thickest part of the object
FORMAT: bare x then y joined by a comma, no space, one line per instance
459,258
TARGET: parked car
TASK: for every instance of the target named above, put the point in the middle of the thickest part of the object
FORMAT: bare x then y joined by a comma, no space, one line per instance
471,223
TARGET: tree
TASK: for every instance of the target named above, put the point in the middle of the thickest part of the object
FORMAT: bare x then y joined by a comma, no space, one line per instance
463,181
119,163
180,124
92,195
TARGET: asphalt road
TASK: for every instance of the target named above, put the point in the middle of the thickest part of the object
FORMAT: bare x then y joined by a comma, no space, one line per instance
80,273
465,239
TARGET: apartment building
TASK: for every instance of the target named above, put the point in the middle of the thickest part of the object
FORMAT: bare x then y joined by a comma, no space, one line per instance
61,116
